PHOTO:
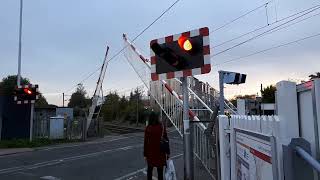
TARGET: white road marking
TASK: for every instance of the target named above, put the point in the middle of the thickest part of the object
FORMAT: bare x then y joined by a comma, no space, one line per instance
83,144
27,174
49,178
64,160
130,174
143,170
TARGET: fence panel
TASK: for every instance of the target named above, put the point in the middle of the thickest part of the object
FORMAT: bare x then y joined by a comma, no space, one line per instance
264,125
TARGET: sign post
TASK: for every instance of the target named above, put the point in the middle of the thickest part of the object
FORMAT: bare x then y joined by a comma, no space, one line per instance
187,142
179,56
228,78
31,122
221,96
27,94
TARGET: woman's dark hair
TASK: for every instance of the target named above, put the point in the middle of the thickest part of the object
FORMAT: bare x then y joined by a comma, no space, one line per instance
153,118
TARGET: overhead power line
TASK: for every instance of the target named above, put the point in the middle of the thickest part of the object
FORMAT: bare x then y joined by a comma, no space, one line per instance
135,38
263,27
268,49
294,23
264,33
243,15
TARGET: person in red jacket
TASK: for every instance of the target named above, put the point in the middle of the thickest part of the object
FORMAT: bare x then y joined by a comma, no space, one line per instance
154,156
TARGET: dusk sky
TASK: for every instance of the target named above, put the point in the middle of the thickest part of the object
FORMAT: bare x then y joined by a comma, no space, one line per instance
65,40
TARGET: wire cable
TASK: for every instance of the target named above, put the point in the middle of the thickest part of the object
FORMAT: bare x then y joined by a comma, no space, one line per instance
122,49
243,15
262,34
294,23
268,49
260,28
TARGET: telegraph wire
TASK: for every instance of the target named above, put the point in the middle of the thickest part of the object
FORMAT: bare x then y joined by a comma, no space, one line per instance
122,49
294,23
260,28
243,15
268,49
266,6
262,34
276,9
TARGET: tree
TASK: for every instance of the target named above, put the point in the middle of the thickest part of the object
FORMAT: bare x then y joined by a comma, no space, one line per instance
135,108
247,96
78,98
111,107
313,76
268,94
9,83
122,109
41,102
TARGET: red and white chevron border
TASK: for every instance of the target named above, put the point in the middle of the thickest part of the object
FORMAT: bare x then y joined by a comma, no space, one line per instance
27,101
187,72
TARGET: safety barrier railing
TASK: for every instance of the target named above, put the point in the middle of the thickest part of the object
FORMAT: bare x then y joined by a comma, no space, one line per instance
308,158
167,94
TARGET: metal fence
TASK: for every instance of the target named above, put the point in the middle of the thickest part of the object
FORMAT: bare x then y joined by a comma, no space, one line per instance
72,129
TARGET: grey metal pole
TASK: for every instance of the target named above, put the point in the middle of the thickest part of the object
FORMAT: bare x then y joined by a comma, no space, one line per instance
19,51
308,158
31,122
137,121
221,97
188,156
62,99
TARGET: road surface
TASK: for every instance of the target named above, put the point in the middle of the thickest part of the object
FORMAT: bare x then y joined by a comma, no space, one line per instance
113,157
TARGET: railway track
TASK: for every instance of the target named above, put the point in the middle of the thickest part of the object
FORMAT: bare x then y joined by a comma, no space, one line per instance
122,129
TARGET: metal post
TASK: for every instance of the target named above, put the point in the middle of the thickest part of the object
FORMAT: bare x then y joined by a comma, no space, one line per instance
188,156
84,129
221,97
19,51
31,122
62,99
137,121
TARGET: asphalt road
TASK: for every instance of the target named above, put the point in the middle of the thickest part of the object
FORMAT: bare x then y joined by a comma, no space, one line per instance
114,157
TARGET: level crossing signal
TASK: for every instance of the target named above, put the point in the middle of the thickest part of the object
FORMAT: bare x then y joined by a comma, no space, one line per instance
234,78
26,94
181,55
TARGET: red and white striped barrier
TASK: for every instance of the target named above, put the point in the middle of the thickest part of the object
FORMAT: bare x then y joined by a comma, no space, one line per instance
135,50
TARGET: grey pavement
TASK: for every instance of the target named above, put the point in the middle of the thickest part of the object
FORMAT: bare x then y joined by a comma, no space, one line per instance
8,151
116,157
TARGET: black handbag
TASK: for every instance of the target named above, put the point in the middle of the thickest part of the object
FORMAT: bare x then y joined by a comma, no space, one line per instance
164,143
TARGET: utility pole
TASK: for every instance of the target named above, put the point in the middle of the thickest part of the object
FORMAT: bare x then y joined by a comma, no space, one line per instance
221,96
19,50
188,155
261,100
19,68
137,121
62,99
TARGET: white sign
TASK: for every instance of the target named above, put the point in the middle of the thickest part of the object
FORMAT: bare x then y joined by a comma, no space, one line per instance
254,156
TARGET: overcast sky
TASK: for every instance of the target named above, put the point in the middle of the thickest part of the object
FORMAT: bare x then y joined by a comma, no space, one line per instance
63,41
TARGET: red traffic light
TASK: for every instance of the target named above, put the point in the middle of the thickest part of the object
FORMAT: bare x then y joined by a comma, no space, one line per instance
27,91
185,43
